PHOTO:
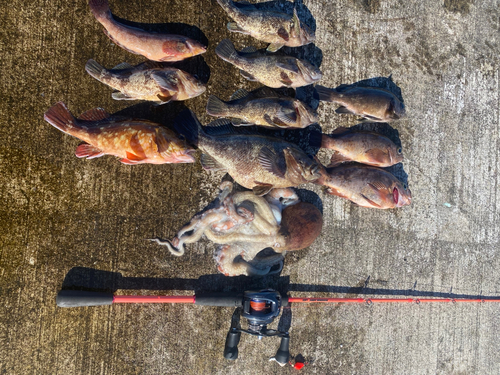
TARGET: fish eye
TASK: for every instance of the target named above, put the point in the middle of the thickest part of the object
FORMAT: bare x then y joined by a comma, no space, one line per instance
400,150
405,186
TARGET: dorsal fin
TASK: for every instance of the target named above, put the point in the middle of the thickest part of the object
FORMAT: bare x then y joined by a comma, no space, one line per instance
122,66
95,114
249,49
239,94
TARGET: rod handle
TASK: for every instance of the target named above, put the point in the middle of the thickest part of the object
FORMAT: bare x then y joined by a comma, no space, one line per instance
79,298
231,346
219,299
283,352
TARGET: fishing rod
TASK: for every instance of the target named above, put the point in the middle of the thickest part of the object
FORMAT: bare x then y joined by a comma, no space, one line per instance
259,308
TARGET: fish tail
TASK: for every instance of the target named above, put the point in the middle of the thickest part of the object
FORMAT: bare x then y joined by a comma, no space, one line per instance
188,125
226,51
216,107
326,94
61,118
94,69
100,8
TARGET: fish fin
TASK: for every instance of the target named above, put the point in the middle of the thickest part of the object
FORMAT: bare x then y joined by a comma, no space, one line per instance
288,66
292,167
221,123
210,164
268,160
84,150
226,51
273,47
341,88
377,155
368,118
378,187
129,162
248,76
245,4
188,125
60,117
238,94
249,50
285,79
233,26
265,92
162,143
333,191
343,109
324,93
133,157
370,201
340,130
118,43
164,82
95,114
164,98
237,122
215,106
287,118
123,66
94,69
261,189
336,159
118,95
296,21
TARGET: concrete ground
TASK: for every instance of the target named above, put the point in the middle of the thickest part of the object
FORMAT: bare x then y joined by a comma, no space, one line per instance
74,223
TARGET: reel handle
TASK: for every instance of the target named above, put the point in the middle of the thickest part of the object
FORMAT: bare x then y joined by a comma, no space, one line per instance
231,346
79,298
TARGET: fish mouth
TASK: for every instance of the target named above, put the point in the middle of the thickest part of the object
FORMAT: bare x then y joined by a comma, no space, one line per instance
196,48
395,196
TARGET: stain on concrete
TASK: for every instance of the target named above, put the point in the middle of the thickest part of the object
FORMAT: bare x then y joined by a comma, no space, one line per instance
458,6
370,6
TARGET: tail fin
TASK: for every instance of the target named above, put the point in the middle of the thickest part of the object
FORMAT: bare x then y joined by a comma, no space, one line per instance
325,94
94,69
226,51
216,107
99,8
188,125
60,117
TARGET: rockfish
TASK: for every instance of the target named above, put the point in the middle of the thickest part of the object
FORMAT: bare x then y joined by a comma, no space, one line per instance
279,29
147,81
263,107
133,141
366,186
363,147
271,70
373,103
256,162
154,46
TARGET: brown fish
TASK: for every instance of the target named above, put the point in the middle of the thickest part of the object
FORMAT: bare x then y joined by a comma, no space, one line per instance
150,80
372,103
133,141
279,29
263,107
254,161
366,186
364,147
154,46
271,70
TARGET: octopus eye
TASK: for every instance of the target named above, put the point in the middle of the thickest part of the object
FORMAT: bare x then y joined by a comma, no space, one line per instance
400,150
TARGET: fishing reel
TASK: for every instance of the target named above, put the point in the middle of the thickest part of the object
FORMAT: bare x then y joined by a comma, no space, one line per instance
259,309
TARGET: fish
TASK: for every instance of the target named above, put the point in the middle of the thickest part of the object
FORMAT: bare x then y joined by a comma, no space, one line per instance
133,141
256,162
279,29
263,107
152,81
153,46
373,103
363,147
366,186
271,70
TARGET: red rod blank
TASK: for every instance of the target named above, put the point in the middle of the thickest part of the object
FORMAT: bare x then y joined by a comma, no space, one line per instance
385,300
153,299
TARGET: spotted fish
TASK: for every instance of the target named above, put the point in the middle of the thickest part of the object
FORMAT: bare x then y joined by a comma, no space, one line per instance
133,141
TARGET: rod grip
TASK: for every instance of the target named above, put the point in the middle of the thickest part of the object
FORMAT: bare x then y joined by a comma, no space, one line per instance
219,299
78,298
231,346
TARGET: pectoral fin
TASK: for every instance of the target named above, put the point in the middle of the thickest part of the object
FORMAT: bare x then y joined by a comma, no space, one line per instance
210,164
296,22
161,143
288,66
336,159
268,160
134,158
261,189
248,76
377,155
273,47
164,98
233,26
371,202
164,82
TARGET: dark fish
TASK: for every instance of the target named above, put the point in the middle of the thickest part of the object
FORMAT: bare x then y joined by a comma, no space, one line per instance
254,161
373,103
363,147
279,29
150,80
271,70
366,186
263,107
133,141
154,46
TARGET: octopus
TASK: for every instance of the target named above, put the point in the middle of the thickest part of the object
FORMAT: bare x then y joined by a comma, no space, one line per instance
244,224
